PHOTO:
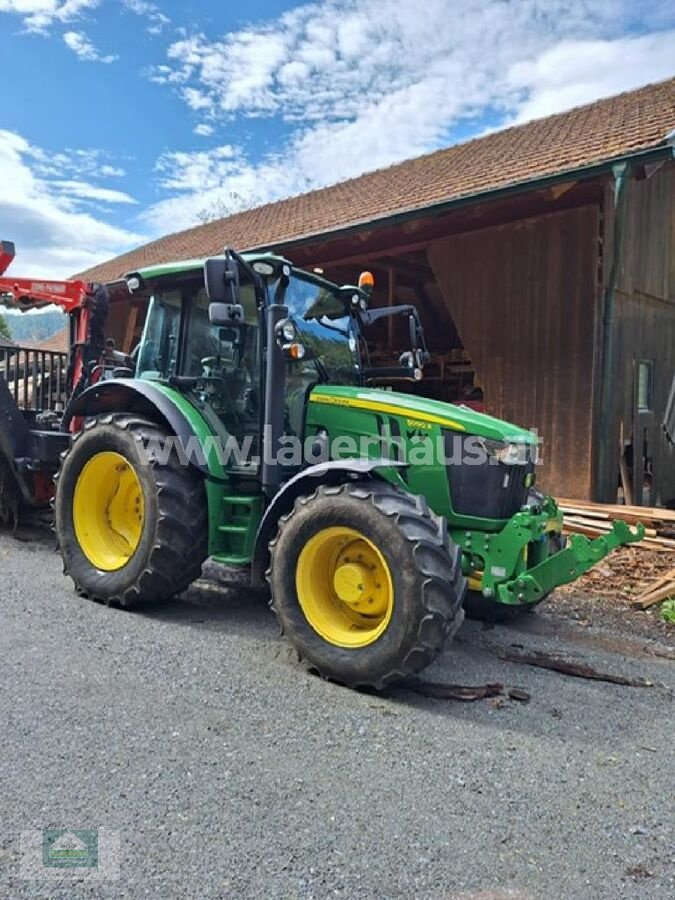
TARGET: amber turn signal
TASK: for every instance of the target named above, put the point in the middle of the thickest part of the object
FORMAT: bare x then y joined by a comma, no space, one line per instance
366,281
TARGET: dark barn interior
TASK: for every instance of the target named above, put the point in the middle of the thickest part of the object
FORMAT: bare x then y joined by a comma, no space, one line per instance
512,293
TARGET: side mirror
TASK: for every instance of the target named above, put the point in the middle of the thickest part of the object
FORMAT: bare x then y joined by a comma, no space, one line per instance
226,313
221,279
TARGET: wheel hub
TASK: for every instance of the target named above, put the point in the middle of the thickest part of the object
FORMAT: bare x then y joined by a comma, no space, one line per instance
108,511
349,582
345,587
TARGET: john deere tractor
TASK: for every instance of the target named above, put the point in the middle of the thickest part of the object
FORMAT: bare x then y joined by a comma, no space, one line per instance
248,430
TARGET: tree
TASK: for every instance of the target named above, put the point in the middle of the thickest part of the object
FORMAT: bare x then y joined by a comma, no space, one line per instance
5,333
223,206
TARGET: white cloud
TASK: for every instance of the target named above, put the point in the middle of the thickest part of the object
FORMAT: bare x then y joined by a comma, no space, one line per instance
84,191
366,83
73,163
203,130
577,72
108,171
83,48
321,61
157,21
53,235
38,15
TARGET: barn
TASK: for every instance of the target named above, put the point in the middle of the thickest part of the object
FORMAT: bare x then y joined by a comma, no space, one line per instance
542,260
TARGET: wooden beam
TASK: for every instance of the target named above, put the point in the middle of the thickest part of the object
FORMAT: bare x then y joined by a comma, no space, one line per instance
391,300
130,329
410,267
557,191
378,255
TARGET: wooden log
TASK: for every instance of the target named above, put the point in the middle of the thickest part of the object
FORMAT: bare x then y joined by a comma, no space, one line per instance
543,660
662,593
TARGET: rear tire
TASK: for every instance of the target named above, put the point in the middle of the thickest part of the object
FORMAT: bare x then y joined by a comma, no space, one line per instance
10,495
409,567
144,534
487,609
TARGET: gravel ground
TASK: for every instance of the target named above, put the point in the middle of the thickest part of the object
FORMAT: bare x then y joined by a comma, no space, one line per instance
227,771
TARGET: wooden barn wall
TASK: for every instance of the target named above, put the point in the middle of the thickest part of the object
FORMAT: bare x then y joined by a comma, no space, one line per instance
645,311
523,299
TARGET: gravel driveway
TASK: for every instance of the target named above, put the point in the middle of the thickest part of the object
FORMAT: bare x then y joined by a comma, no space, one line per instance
224,770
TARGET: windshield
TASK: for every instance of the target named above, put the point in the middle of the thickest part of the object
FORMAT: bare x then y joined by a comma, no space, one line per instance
326,330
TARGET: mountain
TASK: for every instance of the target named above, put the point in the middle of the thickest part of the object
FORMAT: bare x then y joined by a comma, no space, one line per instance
28,329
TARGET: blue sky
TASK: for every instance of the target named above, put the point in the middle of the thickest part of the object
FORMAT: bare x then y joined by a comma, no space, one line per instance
122,120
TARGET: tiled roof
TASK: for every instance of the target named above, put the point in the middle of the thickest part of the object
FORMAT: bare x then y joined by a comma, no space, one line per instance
56,343
585,136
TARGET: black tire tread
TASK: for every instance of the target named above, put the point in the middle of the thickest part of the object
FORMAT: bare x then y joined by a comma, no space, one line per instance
437,560
181,538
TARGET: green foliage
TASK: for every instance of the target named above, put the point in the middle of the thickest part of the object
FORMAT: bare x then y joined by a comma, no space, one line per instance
668,611
4,329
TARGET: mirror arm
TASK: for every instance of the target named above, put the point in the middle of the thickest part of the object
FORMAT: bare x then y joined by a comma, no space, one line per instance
258,280
370,316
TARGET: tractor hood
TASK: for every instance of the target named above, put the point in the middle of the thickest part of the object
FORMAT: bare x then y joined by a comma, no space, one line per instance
422,409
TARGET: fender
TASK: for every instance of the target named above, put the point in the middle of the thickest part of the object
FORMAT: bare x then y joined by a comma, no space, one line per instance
150,400
307,481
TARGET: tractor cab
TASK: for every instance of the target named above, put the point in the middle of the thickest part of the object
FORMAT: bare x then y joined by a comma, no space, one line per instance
248,337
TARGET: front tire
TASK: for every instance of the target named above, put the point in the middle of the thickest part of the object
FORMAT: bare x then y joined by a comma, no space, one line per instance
365,582
131,527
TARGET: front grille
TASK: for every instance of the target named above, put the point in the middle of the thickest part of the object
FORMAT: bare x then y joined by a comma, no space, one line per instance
486,489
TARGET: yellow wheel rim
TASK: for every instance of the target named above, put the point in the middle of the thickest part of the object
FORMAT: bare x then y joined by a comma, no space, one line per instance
344,587
108,511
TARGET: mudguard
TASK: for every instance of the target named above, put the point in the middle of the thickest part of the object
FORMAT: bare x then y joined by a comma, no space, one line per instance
305,482
137,396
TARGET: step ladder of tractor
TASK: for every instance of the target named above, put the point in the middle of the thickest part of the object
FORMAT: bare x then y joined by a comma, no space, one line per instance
240,514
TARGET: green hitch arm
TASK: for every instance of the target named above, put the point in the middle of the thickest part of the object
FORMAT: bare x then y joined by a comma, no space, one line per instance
580,555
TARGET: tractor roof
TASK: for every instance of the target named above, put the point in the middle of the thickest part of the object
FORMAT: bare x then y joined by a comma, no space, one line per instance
188,265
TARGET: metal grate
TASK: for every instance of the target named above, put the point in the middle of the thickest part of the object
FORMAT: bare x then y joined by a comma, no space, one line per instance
35,378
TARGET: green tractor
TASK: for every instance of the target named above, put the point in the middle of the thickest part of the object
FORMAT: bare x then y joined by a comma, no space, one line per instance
247,430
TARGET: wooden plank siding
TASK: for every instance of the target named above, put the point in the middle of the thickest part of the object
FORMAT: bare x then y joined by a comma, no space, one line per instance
648,248
645,314
523,298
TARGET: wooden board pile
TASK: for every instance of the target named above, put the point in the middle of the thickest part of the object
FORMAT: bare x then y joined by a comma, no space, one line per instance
594,519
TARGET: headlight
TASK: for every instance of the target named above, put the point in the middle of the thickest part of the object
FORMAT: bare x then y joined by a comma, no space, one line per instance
288,330
508,453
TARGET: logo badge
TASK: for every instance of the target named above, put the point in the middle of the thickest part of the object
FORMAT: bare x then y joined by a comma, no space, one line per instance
70,849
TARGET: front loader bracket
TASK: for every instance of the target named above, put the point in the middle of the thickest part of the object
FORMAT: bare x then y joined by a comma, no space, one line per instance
580,555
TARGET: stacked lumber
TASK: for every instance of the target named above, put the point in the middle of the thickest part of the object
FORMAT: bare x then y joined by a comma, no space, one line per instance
595,519
660,589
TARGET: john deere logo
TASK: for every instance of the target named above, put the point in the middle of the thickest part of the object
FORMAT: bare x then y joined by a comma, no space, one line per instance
65,849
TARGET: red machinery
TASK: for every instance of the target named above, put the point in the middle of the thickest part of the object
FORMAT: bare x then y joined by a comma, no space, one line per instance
31,437
78,298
